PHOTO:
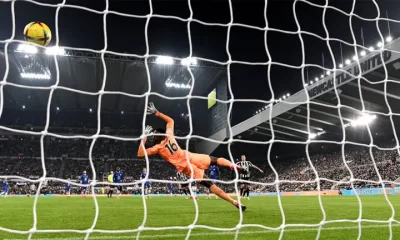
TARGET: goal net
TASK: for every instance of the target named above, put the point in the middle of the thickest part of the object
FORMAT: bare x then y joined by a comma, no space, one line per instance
306,90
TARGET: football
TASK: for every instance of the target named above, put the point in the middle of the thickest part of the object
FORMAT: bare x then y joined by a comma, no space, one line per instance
37,32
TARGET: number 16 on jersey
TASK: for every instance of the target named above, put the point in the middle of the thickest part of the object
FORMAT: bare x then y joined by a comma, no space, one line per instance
172,147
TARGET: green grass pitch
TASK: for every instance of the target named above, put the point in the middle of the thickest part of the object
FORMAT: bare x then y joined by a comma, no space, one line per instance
127,213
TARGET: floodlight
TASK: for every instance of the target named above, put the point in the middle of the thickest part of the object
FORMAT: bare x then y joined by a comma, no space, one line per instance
328,72
340,65
389,39
380,44
58,109
284,97
306,85
316,79
322,75
371,49
90,110
25,48
311,82
23,106
320,133
362,53
164,60
189,61
35,76
287,95
312,135
55,51
355,58
176,85
363,120
122,112
347,61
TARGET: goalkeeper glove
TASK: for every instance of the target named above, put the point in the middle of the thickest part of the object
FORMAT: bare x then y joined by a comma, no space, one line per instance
151,109
148,130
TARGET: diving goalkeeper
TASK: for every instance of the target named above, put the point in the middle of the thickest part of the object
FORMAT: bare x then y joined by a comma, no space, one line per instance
168,148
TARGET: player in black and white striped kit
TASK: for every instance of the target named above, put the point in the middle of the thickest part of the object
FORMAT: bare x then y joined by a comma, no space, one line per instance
245,175
183,187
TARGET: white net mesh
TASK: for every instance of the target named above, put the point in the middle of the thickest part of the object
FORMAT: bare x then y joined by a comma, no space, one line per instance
290,103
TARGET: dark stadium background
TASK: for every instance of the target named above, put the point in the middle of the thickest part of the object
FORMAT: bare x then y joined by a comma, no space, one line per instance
82,29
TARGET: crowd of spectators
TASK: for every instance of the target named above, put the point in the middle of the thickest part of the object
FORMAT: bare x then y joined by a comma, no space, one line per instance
67,158
331,168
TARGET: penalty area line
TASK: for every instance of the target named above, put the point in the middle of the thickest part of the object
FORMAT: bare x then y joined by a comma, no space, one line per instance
222,233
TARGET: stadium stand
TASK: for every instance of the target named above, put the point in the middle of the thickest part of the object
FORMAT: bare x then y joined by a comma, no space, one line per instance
24,160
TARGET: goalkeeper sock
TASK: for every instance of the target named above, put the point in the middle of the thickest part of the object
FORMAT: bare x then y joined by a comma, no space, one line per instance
220,193
241,192
247,192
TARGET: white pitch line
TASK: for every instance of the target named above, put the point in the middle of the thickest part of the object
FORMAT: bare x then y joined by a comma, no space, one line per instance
214,233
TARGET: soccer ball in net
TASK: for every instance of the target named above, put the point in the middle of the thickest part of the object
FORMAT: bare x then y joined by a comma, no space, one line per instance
37,32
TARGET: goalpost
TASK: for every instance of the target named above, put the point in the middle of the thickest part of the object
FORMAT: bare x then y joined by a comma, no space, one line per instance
272,103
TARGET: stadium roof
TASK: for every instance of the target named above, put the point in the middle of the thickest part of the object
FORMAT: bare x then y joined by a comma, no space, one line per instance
83,71
290,116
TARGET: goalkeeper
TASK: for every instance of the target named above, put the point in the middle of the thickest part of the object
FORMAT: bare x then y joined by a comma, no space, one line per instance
168,148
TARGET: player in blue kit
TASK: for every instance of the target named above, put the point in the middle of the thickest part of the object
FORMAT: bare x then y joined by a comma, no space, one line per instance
147,185
118,178
4,190
68,188
84,180
171,186
213,173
